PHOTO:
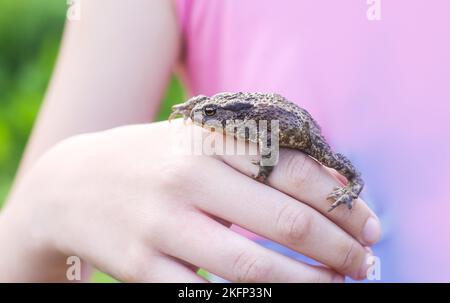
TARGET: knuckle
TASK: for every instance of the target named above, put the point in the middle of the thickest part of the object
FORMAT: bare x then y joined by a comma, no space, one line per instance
252,268
179,172
134,267
321,277
299,169
293,224
349,258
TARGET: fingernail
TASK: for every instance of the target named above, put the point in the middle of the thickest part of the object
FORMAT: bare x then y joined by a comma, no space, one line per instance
338,279
371,231
365,266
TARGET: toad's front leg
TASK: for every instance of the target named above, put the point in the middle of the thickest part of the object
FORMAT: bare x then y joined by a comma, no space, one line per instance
268,156
263,170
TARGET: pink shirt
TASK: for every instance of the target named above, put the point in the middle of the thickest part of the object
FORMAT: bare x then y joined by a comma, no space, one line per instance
380,90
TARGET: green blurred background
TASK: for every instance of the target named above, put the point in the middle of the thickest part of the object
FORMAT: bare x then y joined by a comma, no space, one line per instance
30,34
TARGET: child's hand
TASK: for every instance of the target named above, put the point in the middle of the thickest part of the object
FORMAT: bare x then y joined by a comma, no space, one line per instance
123,202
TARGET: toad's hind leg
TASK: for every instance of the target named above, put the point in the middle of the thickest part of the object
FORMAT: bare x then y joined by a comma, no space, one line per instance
321,151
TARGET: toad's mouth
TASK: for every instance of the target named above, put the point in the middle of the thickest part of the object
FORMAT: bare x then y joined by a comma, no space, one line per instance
180,110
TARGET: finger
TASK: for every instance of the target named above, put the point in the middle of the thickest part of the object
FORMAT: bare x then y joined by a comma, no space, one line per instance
304,179
211,246
279,217
169,270
139,264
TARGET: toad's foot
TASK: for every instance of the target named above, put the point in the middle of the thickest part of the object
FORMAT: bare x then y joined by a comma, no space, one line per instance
341,195
263,171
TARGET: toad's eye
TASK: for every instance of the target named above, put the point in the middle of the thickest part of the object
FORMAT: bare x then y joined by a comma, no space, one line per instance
209,111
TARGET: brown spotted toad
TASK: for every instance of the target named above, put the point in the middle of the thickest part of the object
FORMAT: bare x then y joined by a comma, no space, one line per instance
296,129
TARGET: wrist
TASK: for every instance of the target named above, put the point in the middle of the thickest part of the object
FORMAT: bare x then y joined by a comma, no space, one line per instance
26,255
33,226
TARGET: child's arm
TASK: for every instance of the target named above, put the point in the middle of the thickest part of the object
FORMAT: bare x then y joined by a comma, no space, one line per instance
121,201
112,70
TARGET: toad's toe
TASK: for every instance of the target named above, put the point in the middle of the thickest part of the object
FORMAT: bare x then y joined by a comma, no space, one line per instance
341,195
